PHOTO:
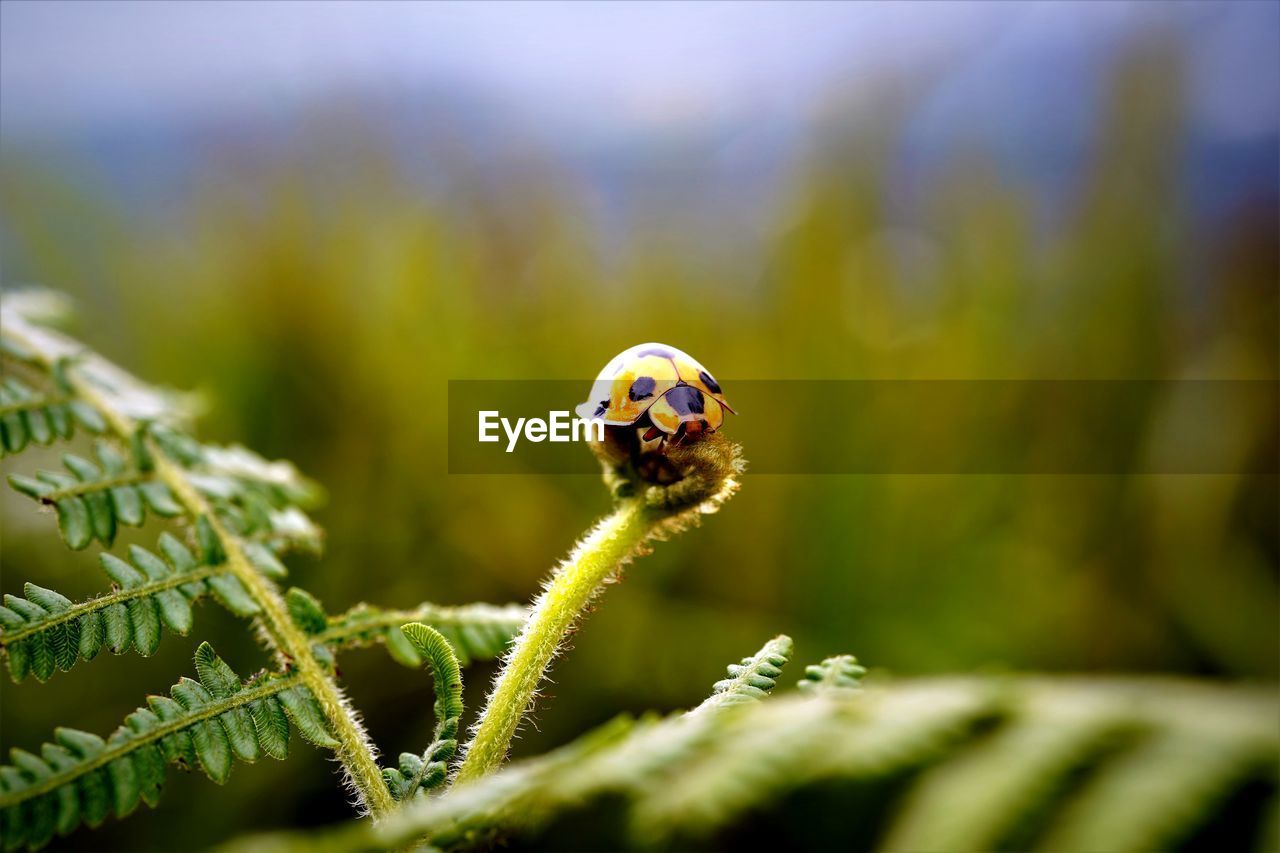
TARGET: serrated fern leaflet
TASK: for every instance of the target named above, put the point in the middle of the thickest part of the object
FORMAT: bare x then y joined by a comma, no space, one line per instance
206,723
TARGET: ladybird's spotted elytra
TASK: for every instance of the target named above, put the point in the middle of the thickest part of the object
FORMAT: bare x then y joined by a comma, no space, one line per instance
663,392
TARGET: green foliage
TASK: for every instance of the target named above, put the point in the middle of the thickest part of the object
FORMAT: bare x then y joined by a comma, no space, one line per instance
45,631
961,763
28,417
416,775
206,724
752,679
95,498
475,631
239,513
932,764
842,672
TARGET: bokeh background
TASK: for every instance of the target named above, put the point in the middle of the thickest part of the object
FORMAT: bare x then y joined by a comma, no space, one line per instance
319,214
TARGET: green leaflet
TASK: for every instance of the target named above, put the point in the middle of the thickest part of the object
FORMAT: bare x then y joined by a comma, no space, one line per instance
752,679
44,632
306,611
254,498
842,672
307,717
96,497
209,723
29,417
416,775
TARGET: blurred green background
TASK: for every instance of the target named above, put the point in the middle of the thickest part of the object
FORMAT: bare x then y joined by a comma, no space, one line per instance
322,287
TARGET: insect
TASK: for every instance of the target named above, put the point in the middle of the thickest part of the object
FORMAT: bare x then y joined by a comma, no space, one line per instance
661,391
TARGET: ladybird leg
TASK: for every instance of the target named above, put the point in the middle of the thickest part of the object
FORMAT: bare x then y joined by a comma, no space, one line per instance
652,433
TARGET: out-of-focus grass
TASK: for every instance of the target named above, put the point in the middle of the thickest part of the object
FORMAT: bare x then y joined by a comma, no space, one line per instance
323,301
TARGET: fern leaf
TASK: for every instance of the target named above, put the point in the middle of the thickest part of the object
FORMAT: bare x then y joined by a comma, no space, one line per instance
24,318
842,672
205,723
1197,750
827,735
752,679
978,800
95,498
44,631
30,417
417,775
306,611
474,631
1063,764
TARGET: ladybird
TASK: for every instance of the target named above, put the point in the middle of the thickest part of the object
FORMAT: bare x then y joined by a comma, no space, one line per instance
663,392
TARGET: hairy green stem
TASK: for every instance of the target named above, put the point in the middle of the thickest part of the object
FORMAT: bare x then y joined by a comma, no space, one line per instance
288,641
292,643
615,539
709,469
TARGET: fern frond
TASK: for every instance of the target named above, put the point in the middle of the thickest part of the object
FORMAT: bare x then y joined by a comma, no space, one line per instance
95,498
24,319
474,631
254,497
831,735
752,679
205,723
1056,764
842,672
45,631
417,775
31,417
241,507
977,800
1197,749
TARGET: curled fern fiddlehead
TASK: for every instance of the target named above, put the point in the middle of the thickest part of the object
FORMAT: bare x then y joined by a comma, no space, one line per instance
417,775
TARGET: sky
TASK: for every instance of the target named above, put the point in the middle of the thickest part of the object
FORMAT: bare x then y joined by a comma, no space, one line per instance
611,89
66,65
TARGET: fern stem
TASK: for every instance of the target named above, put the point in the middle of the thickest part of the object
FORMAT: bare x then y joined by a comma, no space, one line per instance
33,404
355,752
291,642
131,479
433,614
709,468
615,539
214,709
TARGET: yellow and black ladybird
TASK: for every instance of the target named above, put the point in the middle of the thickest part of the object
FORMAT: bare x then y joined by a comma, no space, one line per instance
660,390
